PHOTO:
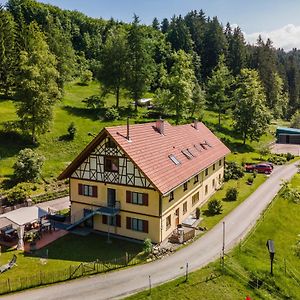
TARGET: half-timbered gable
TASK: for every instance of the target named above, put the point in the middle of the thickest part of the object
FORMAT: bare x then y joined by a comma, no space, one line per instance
108,163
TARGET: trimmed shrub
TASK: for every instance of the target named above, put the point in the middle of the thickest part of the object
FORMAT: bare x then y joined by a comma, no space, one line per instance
111,114
147,245
72,131
214,207
18,194
86,77
28,166
233,171
94,102
250,180
231,194
289,156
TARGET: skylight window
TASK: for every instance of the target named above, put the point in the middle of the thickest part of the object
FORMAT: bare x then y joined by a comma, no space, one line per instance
174,159
189,151
198,148
209,145
187,154
203,146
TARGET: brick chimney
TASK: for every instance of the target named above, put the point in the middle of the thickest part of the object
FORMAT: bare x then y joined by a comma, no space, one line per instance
160,126
196,124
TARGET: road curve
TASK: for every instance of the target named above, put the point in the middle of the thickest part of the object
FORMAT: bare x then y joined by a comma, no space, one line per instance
201,252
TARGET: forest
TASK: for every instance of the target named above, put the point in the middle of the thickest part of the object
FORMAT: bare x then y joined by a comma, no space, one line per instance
187,63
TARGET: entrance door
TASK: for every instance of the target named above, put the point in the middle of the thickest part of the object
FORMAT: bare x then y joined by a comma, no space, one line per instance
177,216
89,223
287,139
111,197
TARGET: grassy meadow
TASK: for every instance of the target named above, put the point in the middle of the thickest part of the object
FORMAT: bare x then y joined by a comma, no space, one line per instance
59,152
247,267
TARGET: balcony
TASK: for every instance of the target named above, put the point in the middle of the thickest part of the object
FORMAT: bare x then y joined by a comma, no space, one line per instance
110,210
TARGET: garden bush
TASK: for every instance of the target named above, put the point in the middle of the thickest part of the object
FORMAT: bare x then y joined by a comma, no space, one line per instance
214,207
289,156
277,159
28,166
86,77
72,131
148,245
111,114
94,102
18,194
233,171
250,180
231,194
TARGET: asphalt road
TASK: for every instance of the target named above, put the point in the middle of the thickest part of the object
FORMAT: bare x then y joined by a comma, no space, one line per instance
201,252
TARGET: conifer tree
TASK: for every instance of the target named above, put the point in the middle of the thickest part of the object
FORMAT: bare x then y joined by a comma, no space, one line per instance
218,88
8,51
140,64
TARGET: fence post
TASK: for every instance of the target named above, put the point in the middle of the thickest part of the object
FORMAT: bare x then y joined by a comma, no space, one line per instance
8,284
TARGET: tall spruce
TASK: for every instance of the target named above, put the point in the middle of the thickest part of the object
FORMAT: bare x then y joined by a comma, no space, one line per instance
214,44
265,63
37,89
113,62
218,88
140,64
251,116
179,35
8,51
236,54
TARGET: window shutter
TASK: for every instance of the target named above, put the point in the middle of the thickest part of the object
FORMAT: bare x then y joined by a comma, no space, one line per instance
145,199
104,219
128,197
95,191
145,226
118,220
128,223
80,189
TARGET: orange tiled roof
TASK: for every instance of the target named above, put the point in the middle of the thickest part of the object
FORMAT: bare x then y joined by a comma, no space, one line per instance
150,151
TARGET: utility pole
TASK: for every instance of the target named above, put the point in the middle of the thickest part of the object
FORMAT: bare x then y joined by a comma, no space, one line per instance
223,247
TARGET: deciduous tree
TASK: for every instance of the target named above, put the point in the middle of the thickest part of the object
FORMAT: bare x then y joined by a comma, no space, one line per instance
37,88
251,116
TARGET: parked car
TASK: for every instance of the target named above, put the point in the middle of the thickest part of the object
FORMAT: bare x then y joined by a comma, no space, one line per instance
265,168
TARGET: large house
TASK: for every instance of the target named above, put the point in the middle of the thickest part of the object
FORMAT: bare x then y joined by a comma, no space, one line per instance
143,180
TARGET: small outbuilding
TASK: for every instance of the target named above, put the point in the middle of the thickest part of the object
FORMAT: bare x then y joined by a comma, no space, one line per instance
285,135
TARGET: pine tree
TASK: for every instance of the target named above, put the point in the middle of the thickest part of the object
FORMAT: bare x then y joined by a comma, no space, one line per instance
140,64
179,35
236,54
8,51
164,25
155,24
218,88
37,88
250,115
214,44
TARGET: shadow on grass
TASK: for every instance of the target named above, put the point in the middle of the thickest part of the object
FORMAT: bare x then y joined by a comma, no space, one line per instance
87,248
207,213
83,112
12,142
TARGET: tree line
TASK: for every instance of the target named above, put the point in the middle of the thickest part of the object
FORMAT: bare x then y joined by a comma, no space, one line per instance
187,62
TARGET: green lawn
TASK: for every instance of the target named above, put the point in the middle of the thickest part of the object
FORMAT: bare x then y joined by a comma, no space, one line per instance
66,254
247,266
244,191
59,153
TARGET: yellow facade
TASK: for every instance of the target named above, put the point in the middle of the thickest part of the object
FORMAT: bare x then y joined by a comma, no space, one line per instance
162,214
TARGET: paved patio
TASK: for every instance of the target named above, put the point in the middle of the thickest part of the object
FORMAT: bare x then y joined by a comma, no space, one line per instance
46,239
